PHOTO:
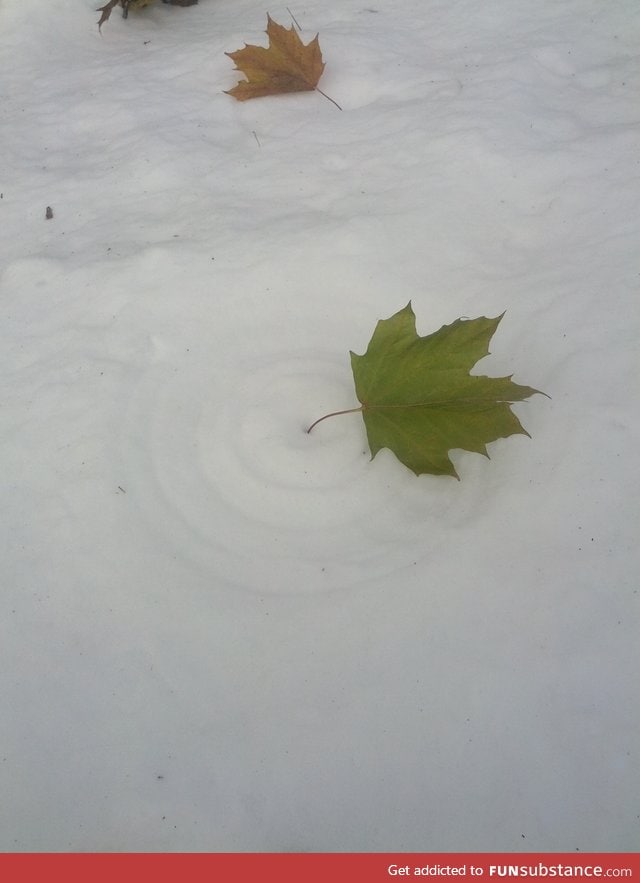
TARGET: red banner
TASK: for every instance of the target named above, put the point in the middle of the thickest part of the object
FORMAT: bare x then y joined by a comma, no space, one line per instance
312,867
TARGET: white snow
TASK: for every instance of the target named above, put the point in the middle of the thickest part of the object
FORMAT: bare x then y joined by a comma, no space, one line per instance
220,633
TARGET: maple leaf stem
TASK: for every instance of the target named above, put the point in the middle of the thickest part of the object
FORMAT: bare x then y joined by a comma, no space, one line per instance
293,18
337,105
334,414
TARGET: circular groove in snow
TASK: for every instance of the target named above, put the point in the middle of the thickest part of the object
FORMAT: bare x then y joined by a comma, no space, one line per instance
222,465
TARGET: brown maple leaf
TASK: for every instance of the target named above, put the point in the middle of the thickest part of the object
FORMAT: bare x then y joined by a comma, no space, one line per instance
286,66
106,11
134,4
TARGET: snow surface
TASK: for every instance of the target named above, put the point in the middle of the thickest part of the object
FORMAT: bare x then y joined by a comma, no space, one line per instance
220,633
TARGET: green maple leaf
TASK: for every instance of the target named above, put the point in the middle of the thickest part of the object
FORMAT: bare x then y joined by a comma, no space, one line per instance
419,400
